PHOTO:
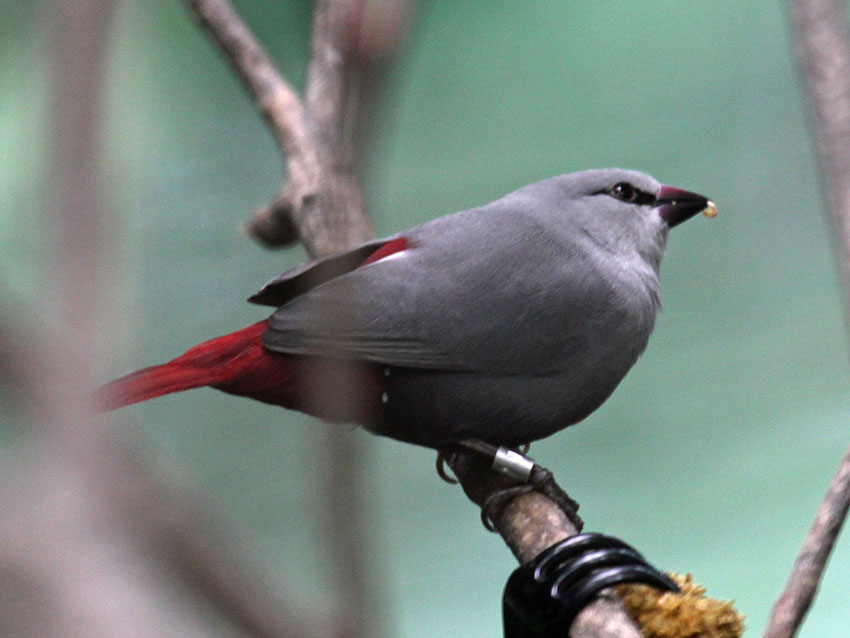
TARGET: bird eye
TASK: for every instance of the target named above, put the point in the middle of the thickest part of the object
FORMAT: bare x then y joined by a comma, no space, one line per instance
624,192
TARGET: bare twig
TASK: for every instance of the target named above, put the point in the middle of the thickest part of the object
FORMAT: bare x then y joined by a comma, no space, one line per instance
531,523
791,608
337,221
312,137
328,216
94,530
282,109
823,50
337,218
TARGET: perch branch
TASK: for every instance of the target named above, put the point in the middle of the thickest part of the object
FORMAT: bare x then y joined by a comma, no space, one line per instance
531,523
791,608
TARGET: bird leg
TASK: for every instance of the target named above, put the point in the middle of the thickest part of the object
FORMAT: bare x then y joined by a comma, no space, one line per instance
523,476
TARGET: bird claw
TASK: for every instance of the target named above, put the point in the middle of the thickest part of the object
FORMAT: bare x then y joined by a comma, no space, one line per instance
441,468
540,480
543,597
496,502
544,481
528,475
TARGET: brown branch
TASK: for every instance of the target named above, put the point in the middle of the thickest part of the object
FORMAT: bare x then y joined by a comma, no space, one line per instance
792,606
312,138
283,111
337,218
88,515
823,53
181,529
334,221
20,382
531,523
329,216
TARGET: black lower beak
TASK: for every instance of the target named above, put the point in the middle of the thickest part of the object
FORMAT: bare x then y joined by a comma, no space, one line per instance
675,205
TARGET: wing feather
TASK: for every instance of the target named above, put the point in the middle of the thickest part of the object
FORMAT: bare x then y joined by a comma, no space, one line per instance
433,307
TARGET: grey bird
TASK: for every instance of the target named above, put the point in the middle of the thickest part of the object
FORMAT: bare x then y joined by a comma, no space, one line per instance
503,323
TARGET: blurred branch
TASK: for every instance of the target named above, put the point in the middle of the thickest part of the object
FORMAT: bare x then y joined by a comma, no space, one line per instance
19,373
320,201
282,109
322,204
823,52
822,37
792,606
178,525
85,513
530,523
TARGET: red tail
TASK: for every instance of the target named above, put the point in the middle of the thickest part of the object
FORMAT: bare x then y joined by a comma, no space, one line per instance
226,363
239,364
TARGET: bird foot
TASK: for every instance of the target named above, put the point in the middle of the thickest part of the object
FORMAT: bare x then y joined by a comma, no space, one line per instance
540,480
528,477
442,472
543,597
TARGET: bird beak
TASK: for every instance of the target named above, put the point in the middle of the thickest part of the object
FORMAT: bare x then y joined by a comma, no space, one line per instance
675,205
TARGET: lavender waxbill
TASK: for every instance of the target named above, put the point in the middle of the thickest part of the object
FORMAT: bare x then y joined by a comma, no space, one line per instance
504,323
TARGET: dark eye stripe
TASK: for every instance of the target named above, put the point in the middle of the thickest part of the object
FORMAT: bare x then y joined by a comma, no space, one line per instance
644,198
640,197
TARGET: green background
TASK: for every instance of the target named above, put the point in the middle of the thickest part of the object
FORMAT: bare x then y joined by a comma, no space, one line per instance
715,451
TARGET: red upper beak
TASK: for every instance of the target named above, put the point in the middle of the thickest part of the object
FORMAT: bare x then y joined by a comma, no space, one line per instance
675,205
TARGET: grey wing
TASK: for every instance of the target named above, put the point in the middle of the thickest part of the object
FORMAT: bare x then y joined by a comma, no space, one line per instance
368,315
501,299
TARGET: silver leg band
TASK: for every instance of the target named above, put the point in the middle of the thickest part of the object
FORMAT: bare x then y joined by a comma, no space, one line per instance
513,464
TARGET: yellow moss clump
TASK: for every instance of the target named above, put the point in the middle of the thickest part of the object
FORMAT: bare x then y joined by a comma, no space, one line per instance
689,614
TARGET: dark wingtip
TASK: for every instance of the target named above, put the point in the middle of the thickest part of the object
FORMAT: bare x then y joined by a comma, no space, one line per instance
307,276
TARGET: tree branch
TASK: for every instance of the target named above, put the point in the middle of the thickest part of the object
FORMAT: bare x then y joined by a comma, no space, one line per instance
312,138
823,54
337,218
283,111
530,523
20,382
89,511
328,216
792,606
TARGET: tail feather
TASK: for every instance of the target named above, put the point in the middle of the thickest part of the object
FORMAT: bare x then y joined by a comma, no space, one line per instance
216,362
238,364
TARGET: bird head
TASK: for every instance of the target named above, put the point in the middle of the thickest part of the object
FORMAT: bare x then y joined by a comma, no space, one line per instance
628,212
